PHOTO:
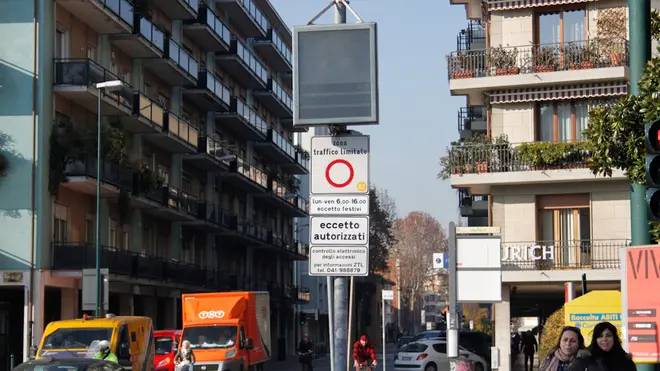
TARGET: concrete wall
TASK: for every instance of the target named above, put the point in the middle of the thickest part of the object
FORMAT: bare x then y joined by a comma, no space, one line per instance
511,28
516,121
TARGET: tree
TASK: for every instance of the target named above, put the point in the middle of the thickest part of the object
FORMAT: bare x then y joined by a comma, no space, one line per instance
478,316
418,236
382,210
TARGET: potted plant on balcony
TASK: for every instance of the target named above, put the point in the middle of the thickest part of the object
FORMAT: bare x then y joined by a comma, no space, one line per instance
503,60
459,66
547,59
148,180
581,57
554,155
467,156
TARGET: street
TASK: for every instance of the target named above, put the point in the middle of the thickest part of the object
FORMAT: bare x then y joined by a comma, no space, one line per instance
323,364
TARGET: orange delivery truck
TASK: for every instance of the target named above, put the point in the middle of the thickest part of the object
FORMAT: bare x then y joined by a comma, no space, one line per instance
228,331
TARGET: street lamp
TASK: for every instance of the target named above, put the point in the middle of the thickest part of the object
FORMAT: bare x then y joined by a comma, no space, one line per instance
110,86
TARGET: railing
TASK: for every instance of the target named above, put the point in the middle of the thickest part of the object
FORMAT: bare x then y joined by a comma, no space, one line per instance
466,115
302,159
182,58
86,72
280,45
475,33
252,117
498,158
182,129
254,63
122,8
251,8
117,175
152,33
228,219
282,143
281,94
283,192
577,55
208,17
215,149
207,211
149,109
194,4
564,254
251,229
303,204
251,172
186,272
216,87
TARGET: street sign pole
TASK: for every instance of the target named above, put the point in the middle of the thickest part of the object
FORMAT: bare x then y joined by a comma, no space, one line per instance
385,295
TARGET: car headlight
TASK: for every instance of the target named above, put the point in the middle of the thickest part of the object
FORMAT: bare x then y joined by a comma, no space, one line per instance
164,362
230,353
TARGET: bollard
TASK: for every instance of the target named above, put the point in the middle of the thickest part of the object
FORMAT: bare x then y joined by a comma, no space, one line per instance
11,361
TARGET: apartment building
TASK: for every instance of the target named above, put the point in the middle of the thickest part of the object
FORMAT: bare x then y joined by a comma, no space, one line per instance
199,174
530,72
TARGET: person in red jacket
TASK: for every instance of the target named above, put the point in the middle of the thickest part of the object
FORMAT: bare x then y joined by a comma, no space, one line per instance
363,352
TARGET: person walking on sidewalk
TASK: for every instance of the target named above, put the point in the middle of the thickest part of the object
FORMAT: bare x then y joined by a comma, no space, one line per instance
306,353
529,347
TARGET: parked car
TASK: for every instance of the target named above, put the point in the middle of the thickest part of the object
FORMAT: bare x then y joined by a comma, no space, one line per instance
475,341
403,340
431,355
68,364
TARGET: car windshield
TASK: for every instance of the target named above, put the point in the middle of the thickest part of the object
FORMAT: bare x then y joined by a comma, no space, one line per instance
205,337
76,338
29,366
164,345
413,348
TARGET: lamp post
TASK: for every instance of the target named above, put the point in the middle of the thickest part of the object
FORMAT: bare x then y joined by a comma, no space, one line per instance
107,85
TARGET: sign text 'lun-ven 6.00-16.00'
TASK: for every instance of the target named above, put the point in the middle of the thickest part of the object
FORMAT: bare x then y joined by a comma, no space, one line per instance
339,206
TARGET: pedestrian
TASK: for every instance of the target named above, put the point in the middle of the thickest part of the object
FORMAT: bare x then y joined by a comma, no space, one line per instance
529,348
184,358
604,353
306,353
559,358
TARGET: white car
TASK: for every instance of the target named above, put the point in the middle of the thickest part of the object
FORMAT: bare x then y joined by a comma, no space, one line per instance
431,355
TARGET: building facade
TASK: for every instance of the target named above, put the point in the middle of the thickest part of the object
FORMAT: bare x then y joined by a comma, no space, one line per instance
530,72
199,174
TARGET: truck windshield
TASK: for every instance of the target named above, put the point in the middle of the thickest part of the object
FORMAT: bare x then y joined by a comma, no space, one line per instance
206,337
76,338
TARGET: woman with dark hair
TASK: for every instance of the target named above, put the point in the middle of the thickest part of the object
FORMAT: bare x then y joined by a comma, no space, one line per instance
559,358
604,353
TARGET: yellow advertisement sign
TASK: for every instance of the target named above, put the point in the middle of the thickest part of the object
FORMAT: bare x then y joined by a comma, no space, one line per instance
588,310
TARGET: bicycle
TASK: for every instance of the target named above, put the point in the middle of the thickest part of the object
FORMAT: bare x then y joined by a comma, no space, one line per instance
364,366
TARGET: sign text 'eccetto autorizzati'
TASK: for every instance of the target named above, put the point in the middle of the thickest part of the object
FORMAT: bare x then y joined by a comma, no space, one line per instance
352,231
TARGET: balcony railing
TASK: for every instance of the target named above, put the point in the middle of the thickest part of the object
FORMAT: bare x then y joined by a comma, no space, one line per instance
469,115
302,159
216,150
498,158
280,45
303,204
283,192
256,14
472,36
182,58
152,33
182,129
594,53
150,109
122,8
207,211
117,175
212,20
281,94
251,116
86,72
252,229
282,143
254,63
564,254
217,88
251,172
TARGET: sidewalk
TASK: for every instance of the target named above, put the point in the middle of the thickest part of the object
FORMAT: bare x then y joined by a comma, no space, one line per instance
292,364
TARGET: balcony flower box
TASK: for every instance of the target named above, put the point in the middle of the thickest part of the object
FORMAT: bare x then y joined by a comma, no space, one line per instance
617,59
544,68
463,74
507,71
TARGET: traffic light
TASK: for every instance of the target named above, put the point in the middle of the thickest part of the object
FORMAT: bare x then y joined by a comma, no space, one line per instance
652,144
303,318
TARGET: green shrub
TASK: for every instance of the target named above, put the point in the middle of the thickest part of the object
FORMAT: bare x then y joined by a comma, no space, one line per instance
551,331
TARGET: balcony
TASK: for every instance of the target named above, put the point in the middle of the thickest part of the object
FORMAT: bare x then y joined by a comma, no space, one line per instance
146,40
208,31
285,199
293,249
471,121
276,148
246,176
165,202
81,177
472,206
246,16
245,67
476,71
287,79
299,166
206,219
243,120
276,52
211,155
178,135
176,68
246,228
556,259
179,9
209,94
148,116
478,166
472,38
82,255
106,17
75,79
277,100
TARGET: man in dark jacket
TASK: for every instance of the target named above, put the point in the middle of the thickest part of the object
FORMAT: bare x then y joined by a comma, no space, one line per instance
306,350
529,347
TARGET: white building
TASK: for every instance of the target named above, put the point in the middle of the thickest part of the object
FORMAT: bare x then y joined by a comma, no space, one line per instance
531,70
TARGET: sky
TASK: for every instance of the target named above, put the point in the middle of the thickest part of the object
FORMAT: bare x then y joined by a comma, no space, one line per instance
418,116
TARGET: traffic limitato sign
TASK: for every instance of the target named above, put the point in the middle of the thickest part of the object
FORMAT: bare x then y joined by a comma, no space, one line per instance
339,261
339,205
340,164
339,231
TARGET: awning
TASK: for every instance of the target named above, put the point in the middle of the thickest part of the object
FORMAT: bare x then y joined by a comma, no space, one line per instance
559,92
495,5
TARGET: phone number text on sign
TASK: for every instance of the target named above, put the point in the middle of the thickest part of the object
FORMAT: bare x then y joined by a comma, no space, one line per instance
339,261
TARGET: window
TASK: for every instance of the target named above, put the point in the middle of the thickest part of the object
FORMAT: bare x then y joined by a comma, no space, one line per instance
561,26
61,42
565,223
113,233
91,52
60,228
563,121
186,184
89,228
440,348
126,243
